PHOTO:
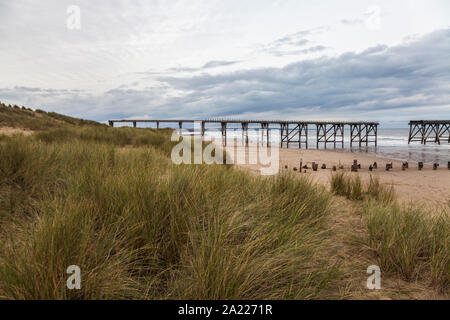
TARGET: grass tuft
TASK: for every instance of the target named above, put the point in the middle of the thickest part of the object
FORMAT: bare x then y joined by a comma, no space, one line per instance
351,187
410,242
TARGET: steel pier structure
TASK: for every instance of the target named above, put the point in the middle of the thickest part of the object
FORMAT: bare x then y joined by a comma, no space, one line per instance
424,131
293,133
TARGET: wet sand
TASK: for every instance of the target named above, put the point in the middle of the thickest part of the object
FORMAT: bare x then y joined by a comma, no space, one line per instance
428,187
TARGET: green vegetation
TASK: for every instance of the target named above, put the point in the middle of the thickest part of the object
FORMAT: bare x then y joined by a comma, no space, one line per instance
111,201
344,184
140,227
25,118
410,241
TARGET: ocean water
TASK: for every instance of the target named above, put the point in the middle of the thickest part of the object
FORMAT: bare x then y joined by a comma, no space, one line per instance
392,144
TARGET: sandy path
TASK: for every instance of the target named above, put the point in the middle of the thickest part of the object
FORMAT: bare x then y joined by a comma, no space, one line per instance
9,131
428,186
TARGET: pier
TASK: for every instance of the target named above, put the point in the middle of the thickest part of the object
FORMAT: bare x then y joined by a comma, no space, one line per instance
293,133
434,131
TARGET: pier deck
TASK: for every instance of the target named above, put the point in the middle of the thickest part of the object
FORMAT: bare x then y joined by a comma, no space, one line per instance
293,132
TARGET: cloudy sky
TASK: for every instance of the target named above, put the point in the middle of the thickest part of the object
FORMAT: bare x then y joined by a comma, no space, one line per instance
284,59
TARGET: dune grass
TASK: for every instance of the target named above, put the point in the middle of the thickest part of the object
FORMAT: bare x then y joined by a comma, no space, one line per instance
140,227
111,201
407,240
39,120
410,241
351,187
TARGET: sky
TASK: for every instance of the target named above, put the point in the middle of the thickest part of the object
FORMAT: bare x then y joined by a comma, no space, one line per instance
250,59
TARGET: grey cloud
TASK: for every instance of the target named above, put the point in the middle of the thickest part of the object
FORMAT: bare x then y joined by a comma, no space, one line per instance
355,85
384,83
208,65
215,64
290,44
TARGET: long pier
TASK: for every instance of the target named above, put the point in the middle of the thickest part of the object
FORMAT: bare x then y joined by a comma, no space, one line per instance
293,132
424,131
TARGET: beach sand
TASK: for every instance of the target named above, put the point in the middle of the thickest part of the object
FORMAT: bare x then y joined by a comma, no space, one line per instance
428,187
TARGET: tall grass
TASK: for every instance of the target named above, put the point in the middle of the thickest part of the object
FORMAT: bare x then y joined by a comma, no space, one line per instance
351,187
141,227
410,241
380,192
345,185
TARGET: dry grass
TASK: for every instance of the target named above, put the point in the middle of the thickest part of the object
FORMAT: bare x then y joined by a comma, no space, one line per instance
140,227
410,242
111,201
344,184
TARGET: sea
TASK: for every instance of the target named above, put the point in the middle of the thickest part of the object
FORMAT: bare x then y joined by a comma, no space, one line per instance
392,144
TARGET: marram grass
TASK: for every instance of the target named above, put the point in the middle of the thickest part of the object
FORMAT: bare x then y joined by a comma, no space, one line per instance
140,227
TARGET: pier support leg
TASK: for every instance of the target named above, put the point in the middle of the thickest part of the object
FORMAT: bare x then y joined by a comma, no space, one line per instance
224,133
318,126
203,129
376,136
245,133
306,131
287,135
264,127
359,135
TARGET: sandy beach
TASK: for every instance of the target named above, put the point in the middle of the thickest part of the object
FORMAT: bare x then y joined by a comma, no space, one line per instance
428,187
